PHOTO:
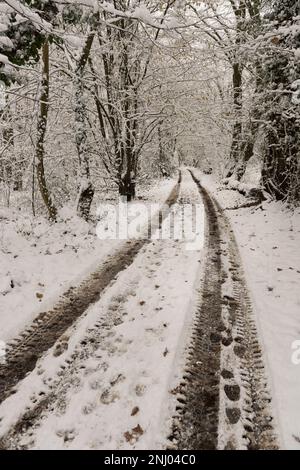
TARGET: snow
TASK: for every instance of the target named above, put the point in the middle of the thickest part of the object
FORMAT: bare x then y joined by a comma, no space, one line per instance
116,393
4,59
3,27
151,96
141,12
295,86
269,240
28,13
40,261
6,42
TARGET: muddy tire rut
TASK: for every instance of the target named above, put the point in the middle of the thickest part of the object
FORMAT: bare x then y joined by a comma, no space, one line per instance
23,352
224,400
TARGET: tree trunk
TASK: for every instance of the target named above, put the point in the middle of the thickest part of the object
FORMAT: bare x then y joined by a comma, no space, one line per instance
254,9
127,181
86,189
252,127
247,153
237,83
127,188
85,200
41,131
237,127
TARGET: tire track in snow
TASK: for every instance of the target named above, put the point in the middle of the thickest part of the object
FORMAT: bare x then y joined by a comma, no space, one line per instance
23,352
223,400
198,404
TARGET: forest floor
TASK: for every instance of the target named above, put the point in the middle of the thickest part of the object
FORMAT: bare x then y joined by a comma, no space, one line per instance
152,345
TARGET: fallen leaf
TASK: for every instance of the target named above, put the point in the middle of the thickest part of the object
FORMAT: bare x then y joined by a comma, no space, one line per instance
135,411
134,434
128,436
138,430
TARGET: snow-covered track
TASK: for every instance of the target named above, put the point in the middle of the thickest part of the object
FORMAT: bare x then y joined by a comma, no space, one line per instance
223,400
23,352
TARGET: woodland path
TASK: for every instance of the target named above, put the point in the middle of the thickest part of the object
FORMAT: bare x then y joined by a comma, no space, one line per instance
222,401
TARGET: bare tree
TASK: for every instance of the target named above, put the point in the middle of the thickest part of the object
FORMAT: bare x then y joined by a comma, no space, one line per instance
41,132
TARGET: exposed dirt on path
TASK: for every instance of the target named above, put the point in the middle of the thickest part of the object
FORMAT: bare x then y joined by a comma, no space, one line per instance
223,400
23,352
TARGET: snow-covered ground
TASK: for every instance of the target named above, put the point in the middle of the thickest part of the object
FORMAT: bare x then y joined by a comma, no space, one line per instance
39,261
114,387
269,240
114,384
